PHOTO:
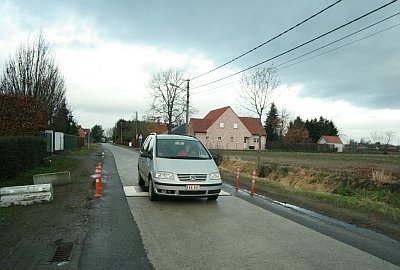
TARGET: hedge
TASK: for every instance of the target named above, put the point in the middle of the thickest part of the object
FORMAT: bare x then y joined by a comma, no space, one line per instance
19,154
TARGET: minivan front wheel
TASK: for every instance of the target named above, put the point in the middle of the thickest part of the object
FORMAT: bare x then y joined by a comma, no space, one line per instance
152,194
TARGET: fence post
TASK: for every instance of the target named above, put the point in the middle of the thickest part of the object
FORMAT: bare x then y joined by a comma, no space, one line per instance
237,178
253,182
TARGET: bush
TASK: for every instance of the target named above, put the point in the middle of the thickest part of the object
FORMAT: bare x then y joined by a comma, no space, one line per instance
19,154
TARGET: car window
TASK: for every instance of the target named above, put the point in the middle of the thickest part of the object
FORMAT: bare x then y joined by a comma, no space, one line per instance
145,144
181,148
150,146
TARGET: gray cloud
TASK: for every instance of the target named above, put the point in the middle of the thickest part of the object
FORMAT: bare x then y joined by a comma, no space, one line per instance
365,73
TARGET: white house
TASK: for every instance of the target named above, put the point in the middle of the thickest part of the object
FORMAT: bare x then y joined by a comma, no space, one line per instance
223,129
332,140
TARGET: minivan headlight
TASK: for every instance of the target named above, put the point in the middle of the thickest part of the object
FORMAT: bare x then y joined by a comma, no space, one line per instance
215,176
165,175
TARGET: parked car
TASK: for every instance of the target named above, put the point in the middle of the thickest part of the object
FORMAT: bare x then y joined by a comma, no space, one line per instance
177,165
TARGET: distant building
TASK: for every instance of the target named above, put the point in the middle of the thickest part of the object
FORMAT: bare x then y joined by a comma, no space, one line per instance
223,129
179,130
158,127
84,136
334,141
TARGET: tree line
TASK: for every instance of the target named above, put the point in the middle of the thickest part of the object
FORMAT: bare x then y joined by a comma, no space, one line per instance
280,129
33,72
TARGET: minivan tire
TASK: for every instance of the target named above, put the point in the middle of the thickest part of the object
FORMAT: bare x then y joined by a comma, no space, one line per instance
152,194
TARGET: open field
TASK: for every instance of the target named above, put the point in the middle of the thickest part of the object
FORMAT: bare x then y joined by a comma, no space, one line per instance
360,189
332,161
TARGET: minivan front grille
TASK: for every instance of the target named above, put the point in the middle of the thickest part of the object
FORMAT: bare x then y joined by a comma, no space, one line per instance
192,177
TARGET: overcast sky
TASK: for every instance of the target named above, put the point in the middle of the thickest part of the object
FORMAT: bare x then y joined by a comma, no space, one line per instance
108,51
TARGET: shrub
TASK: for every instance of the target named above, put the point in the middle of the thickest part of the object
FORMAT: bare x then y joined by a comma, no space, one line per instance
19,154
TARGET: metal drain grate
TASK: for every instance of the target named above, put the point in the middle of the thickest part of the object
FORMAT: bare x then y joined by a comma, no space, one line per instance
63,252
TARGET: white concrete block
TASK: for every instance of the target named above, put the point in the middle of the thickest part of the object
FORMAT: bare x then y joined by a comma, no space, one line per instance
57,178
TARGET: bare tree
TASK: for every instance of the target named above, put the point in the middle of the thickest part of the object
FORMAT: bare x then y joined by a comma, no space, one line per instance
33,72
168,93
284,120
257,95
376,137
389,135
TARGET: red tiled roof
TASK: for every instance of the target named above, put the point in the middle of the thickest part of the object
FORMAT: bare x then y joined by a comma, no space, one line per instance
332,139
159,128
253,125
215,114
201,125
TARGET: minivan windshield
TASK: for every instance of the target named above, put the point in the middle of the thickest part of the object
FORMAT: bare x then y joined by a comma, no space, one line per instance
181,149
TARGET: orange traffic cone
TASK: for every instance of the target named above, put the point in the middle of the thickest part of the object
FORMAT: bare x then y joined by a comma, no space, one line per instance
97,195
98,175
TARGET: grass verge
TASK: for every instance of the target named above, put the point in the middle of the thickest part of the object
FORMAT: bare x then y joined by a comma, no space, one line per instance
56,163
382,203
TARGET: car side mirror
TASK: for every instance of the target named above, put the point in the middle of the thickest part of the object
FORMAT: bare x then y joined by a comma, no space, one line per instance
144,154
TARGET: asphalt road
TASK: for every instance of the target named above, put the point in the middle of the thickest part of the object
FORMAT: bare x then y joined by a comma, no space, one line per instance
113,240
244,232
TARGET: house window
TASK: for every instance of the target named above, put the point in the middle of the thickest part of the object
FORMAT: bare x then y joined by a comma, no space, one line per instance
219,139
245,140
235,125
231,139
255,140
206,137
221,124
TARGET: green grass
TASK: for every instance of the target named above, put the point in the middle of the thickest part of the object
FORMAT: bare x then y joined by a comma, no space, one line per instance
56,163
83,151
299,157
381,202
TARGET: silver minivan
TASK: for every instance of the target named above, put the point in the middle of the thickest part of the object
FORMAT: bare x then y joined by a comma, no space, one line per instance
177,165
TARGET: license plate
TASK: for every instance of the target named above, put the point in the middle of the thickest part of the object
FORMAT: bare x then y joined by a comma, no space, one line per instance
192,187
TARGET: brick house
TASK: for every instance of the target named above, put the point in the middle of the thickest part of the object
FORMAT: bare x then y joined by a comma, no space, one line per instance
223,129
334,141
84,135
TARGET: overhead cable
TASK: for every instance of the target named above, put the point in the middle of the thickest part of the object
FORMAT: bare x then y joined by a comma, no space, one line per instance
334,49
310,52
340,39
268,41
299,46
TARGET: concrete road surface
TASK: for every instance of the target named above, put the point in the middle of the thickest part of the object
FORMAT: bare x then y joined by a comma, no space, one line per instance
230,233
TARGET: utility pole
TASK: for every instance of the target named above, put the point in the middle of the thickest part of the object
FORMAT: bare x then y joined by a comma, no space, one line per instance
136,135
121,132
187,107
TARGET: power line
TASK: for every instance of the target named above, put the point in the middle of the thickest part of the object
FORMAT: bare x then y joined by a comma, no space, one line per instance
301,45
268,41
324,46
334,49
340,39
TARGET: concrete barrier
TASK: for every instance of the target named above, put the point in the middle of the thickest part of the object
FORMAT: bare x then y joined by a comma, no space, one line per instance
25,195
57,178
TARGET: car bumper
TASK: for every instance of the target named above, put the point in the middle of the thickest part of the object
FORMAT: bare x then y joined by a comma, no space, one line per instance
181,189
